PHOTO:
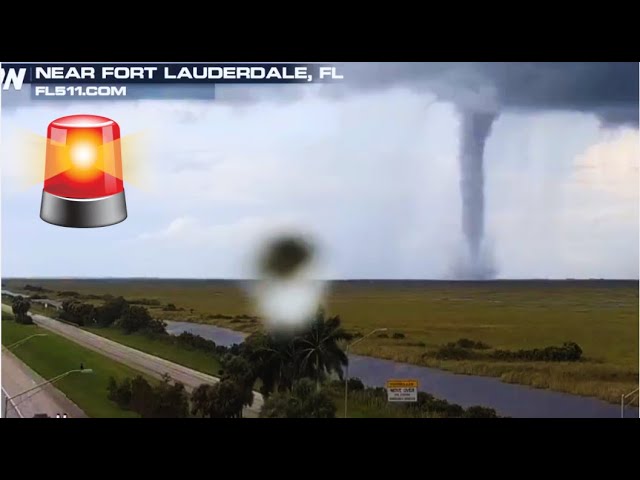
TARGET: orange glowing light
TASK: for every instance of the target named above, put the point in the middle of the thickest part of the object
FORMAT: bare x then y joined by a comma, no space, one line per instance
83,158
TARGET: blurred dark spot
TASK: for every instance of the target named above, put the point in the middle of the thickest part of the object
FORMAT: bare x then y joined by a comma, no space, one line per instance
285,256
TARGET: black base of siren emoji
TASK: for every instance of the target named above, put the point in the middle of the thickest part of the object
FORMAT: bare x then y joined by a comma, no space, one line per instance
83,185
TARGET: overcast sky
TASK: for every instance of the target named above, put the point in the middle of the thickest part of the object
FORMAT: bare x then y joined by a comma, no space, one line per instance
371,173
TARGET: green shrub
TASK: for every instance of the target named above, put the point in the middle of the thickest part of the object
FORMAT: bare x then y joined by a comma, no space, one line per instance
110,311
568,352
355,384
466,343
427,405
165,400
92,296
302,401
451,351
78,313
137,318
34,288
67,293
25,319
120,393
150,302
20,307
480,412
196,342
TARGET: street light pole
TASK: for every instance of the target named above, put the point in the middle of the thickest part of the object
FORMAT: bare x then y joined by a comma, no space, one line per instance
20,342
40,385
624,397
346,377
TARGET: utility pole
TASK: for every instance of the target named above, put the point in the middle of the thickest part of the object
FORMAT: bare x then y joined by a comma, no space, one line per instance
346,377
40,385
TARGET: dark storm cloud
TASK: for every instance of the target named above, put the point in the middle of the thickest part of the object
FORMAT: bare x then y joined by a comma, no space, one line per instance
579,86
608,89
480,92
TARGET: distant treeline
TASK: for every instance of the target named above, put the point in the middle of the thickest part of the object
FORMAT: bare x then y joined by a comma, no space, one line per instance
35,288
295,375
465,349
115,312
119,313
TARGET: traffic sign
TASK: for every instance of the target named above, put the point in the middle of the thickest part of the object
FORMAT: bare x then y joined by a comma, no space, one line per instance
402,390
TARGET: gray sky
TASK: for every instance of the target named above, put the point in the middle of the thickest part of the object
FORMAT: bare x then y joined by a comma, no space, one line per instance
368,168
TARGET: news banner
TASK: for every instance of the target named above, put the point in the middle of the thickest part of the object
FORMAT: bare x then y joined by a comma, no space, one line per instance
120,80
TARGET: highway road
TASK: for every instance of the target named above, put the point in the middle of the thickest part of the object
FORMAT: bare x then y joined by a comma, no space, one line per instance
141,361
13,412
17,378
46,302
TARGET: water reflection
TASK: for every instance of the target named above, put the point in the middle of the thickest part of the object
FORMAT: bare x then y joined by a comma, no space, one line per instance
466,390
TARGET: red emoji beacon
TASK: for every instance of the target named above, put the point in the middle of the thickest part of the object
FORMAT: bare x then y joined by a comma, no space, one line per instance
83,185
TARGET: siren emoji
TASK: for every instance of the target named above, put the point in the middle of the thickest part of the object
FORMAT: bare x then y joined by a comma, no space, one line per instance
83,185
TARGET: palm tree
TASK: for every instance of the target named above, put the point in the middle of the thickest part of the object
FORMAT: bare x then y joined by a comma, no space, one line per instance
281,360
318,350
274,361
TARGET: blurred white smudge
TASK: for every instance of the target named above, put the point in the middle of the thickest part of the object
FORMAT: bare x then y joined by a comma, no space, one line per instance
289,293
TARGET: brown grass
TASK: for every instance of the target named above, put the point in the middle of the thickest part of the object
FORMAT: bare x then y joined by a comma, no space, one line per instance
601,316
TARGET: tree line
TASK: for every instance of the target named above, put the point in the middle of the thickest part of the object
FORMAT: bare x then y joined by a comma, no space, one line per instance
164,400
298,376
115,312
290,371
465,349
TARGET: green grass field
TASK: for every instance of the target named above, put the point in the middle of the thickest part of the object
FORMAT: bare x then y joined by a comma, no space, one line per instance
159,347
601,316
51,355
195,359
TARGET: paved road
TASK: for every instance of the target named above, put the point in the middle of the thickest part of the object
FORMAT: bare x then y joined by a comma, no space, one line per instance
13,412
18,377
136,359
47,302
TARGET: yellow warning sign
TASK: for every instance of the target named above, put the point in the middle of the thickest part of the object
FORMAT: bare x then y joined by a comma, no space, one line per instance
402,390
402,383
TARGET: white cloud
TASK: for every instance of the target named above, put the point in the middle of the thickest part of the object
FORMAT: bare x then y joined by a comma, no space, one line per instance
186,231
611,165
231,246
566,205
373,178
